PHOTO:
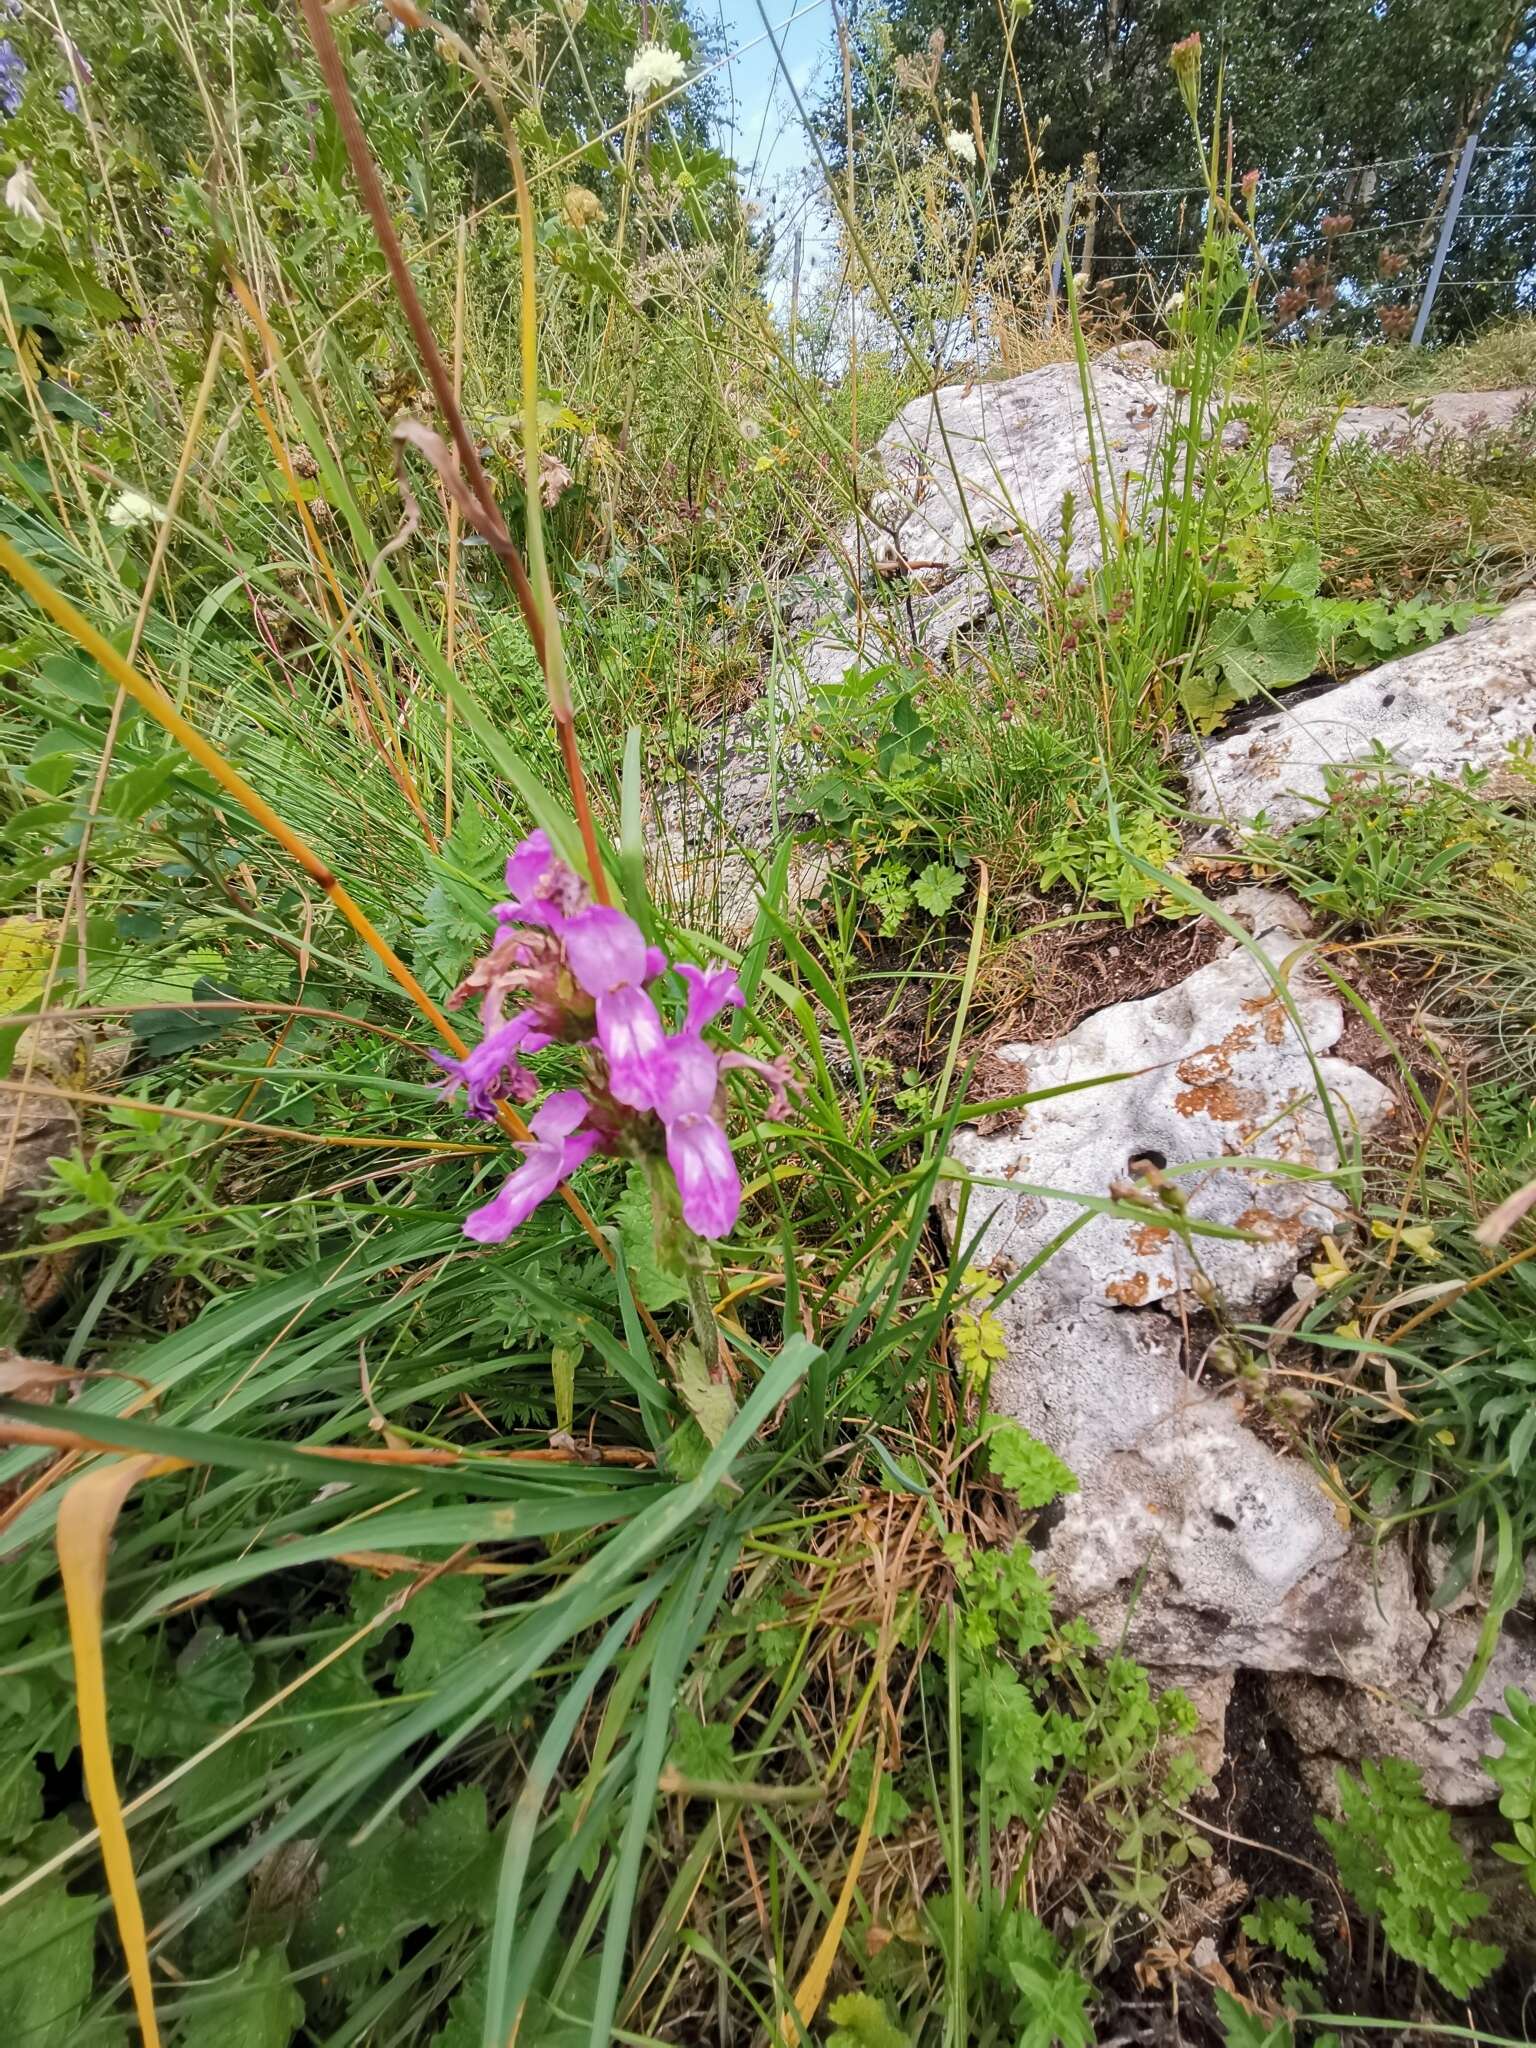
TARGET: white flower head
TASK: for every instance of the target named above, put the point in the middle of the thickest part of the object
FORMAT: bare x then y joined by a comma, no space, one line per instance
23,197
1174,303
655,69
132,508
751,431
959,144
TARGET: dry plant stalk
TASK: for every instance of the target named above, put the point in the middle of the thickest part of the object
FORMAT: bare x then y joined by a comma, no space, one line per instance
478,500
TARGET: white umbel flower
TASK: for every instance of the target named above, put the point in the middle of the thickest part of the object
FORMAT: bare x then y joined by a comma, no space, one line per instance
132,508
23,197
655,69
959,144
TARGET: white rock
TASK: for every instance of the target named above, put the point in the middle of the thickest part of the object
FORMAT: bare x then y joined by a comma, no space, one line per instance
982,463
1335,1724
1459,704
1455,415
1246,1558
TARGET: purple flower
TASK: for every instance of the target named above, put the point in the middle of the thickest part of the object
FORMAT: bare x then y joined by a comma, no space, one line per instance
13,75
608,956
698,1151
544,888
710,990
557,1148
493,1070
69,99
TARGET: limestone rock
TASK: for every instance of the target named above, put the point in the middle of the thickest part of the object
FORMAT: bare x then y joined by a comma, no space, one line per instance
974,473
1333,1723
1458,704
1247,1561
977,464
54,1053
1448,415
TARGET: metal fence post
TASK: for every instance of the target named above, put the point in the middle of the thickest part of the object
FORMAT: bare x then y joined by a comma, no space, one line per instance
1447,229
1061,250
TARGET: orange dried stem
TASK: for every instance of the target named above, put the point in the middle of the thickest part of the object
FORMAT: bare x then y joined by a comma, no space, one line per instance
333,71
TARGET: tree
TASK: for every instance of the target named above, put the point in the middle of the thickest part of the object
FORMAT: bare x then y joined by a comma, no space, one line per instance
1352,110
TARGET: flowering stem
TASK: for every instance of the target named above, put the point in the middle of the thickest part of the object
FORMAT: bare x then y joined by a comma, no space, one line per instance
701,1308
502,544
159,706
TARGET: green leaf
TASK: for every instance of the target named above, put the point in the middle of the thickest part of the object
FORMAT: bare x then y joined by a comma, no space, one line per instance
1245,2029
444,1622
1284,1924
937,887
1029,1468
860,2021
257,2007
702,1749
711,1405
654,1283
21,1792
892,1810
45,1967
1270,647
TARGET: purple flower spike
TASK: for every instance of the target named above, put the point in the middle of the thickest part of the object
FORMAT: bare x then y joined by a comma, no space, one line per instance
556,1150
608,956
493,1072
710,990
698,1150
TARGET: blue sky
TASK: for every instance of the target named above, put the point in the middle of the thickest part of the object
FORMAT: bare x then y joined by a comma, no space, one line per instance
760,127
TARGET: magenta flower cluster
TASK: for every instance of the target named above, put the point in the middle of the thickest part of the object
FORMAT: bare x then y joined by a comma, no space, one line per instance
580,973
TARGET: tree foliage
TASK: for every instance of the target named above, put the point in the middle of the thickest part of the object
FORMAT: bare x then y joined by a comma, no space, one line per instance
1315,95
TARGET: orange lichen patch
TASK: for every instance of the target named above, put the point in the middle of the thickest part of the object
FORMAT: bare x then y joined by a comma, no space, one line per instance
1276,1229
1130,1292
1218,1100
1148,1238
1214,1062
1271,1011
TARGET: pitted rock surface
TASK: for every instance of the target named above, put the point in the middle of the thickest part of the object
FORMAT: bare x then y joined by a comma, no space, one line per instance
1460,704
1247,1560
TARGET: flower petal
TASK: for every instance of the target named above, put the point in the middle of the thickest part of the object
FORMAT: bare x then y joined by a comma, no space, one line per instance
558,1116
519,1195
492,1070
527,865
688,1081
605,949
710,990
774,1072
636,1047
708,1184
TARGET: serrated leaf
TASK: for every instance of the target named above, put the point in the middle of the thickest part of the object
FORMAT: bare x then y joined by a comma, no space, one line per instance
444,1622
45,1967
937,887
1206,699
257,2007
1030,1469
712,1406
654,1284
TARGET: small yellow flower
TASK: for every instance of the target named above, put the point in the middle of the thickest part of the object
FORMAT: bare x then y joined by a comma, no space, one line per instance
1330,1269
